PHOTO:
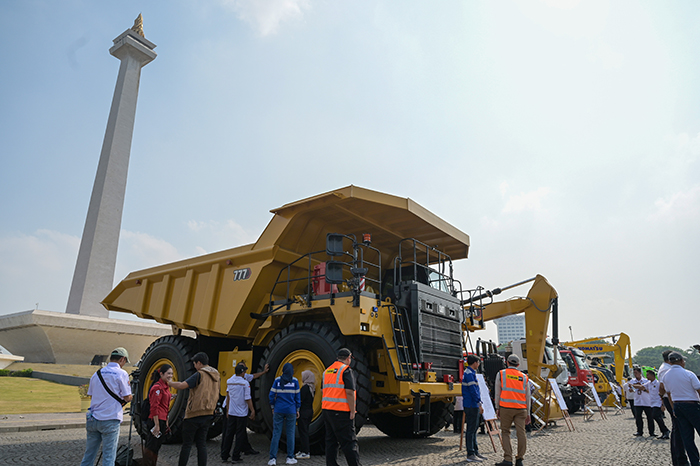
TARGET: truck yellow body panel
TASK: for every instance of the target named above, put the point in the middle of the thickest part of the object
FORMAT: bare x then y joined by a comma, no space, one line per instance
214,294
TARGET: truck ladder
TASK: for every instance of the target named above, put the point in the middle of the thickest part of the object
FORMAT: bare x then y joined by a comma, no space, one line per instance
421,412
405,354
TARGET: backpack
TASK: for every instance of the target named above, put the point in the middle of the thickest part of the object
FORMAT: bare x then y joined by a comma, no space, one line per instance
145,409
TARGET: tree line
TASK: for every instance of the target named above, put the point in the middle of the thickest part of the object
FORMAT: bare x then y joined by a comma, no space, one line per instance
651,356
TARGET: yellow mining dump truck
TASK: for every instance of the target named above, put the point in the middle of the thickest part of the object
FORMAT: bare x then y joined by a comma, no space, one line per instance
349,268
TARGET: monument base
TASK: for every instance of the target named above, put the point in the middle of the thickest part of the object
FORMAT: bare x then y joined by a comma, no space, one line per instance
55,337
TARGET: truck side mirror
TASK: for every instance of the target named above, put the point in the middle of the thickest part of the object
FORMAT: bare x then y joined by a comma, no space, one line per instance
334,272
334,244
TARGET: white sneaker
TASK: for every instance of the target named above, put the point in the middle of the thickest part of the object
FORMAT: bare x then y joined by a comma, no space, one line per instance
302,456
291,461
272,462
473,459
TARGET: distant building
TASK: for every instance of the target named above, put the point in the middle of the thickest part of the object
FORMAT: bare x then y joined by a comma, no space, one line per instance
510,328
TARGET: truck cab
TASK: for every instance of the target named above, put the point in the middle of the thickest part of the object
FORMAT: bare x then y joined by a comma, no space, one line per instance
579,375
551,357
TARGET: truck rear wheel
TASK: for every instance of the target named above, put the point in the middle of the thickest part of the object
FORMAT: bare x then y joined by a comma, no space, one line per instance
400,425
177,351
310,346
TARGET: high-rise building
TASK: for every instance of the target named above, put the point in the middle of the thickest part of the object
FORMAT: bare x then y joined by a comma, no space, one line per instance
510,328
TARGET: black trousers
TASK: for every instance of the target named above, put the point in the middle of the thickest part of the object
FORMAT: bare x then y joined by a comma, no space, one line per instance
658,416
638,412
678,456
457,419
153,444
194,430
303,424
340,430
235,427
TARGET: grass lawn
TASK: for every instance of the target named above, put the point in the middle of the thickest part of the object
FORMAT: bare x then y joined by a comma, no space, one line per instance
23,395
65,369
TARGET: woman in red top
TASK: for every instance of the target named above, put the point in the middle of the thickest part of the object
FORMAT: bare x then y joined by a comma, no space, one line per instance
159,397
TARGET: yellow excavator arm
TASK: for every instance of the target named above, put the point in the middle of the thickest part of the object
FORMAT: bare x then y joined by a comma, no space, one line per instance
537,305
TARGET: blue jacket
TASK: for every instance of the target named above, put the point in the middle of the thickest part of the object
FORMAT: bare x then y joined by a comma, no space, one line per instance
471,396
285,398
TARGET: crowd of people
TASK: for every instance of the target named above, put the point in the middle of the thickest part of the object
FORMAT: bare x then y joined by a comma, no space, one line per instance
674,390
291,404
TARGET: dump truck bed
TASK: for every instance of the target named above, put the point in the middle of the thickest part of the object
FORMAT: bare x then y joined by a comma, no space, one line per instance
215,293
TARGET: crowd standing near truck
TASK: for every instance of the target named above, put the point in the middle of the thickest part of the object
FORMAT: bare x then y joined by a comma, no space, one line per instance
159,404
244,409
201,403
285,401
683,388
306,413
513,407
110,391
678,456
471,404
239,407
338,405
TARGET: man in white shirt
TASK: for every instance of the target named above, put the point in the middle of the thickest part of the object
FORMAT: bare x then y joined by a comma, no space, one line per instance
652,387
634,391
106,412
236,393
643,403
683,388
678,456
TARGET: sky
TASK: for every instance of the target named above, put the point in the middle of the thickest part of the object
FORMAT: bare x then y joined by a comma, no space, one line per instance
562,136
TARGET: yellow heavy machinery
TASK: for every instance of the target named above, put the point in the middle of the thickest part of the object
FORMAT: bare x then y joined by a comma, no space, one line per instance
349,268
540,302
617,344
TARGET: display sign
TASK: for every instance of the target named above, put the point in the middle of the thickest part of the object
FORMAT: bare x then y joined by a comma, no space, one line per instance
595,394
489,412
560,398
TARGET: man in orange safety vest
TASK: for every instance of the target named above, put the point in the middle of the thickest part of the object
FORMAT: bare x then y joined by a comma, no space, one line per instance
338,404
512,407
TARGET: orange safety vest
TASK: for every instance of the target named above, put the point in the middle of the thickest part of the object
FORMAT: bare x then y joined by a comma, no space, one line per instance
334,396
514,387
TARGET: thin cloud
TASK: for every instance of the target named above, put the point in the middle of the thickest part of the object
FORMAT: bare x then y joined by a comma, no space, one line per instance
531,201
36,269
679,206
219,235
265,16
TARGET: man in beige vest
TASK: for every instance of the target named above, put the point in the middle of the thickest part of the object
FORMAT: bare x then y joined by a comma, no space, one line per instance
201,403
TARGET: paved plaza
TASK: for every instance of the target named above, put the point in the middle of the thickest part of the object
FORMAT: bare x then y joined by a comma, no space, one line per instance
594,443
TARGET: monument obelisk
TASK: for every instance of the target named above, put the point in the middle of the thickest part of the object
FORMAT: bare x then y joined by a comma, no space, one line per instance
94,270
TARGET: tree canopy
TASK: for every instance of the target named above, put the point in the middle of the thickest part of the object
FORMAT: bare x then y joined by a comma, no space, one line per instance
651,356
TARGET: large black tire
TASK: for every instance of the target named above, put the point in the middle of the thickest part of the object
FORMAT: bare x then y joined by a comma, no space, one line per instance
397,426
178,352
313,346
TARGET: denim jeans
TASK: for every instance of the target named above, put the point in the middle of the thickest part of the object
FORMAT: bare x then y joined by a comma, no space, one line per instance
101,432
472,415
288,422
688,416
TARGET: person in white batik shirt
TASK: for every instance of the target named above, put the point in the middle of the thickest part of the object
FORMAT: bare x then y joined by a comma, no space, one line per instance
105,414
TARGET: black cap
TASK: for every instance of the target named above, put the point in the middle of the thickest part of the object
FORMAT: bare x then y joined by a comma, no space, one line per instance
241,368
344,353
675,357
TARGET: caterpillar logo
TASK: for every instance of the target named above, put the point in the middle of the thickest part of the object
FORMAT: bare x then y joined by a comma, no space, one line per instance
590,348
